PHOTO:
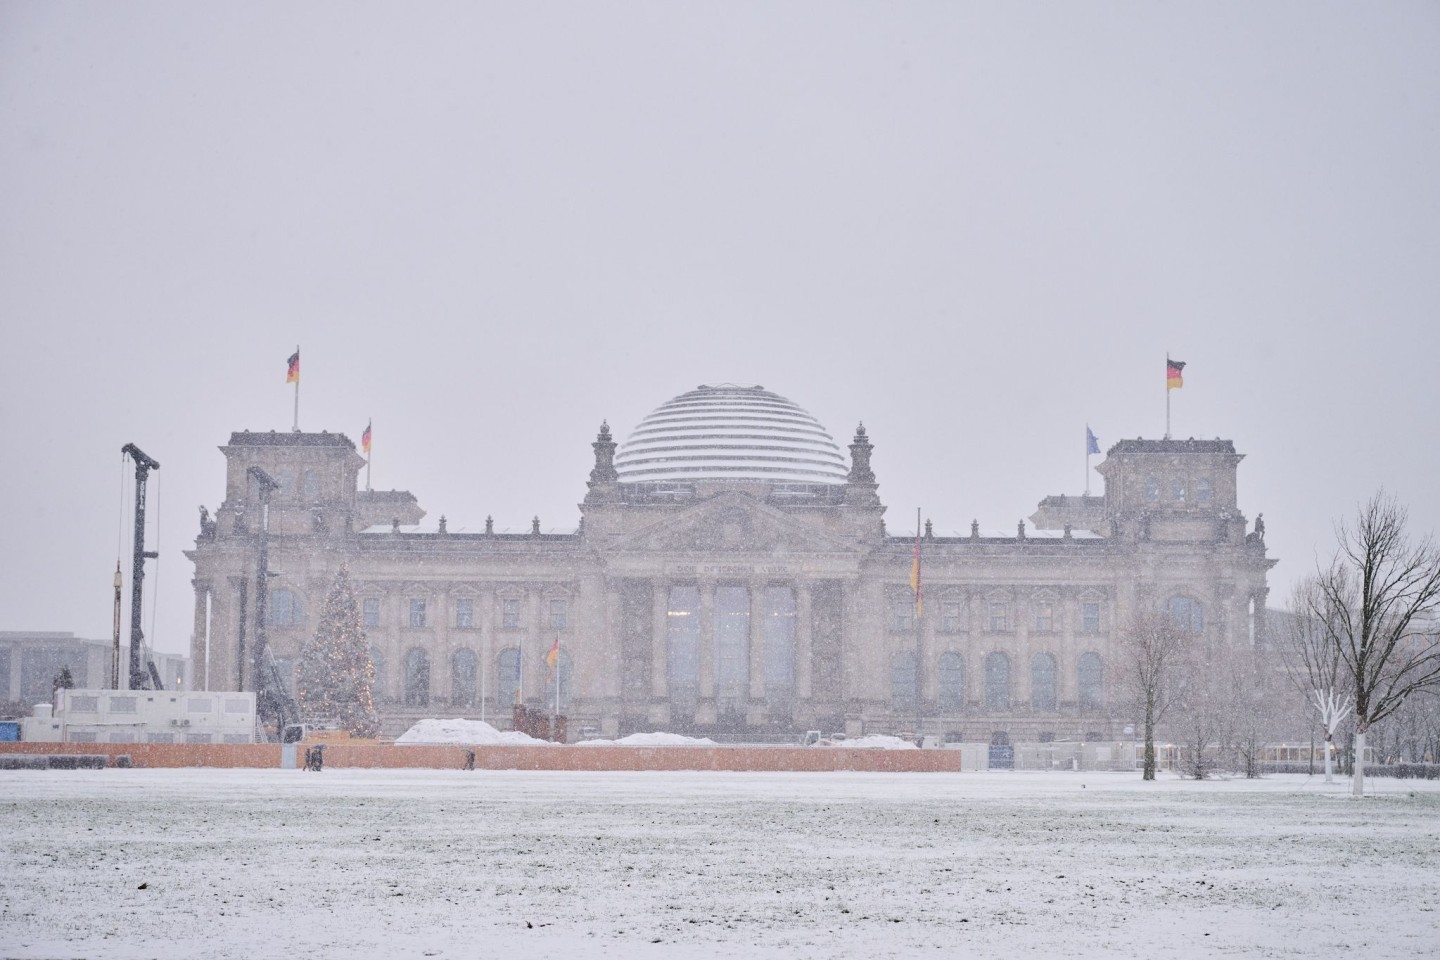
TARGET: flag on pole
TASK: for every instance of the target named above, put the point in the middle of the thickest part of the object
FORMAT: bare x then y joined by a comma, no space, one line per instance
365,440
915,570
551,657
1173,378
292,375
1092,445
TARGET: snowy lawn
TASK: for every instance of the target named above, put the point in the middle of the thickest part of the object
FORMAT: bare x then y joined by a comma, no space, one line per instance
411,863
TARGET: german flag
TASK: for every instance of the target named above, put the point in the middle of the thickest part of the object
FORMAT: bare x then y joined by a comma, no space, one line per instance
292,375
365,440
1173,370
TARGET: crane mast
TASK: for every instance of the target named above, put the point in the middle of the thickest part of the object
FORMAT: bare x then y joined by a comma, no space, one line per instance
141,677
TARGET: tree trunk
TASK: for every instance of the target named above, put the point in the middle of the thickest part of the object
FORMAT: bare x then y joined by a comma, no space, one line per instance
1358,787
1329,759
1149,742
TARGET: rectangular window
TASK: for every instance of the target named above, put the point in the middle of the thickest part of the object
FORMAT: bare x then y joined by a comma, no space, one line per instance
122,704
1090,617
87,704
902,615
510,613
949,617
465,612
999,616
197,738
199,705
1044,618
370,615
77,736
236,738
122,736
417,613
159,738
559,614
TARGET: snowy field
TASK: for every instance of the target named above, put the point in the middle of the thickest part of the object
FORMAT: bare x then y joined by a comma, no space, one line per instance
416,863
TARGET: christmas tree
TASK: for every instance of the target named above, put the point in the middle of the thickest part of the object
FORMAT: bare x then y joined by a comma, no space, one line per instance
335,674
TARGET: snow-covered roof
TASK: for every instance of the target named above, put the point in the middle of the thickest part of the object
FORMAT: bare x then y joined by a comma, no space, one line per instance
730,431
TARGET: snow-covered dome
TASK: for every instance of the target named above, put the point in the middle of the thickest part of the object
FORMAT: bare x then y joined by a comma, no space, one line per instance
730,431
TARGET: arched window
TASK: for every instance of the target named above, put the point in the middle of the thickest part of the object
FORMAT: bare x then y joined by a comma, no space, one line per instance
378,690
507,677
1187,613
997,681
1152,488
1090,673
462,677
284,609
682,635
1043,694
560,673
950,682
903,676
417,678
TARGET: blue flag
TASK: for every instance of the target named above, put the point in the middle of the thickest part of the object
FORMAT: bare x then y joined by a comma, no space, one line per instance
1091,444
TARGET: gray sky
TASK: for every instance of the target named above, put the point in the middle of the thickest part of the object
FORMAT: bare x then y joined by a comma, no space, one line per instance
975,226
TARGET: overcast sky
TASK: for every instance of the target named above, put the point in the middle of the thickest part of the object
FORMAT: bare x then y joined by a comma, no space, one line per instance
974,226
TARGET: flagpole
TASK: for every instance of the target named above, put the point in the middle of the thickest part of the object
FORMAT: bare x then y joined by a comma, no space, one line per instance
1087,459
296,427
1167,394
368,452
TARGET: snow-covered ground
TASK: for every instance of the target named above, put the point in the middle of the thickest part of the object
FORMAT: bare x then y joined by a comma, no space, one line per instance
408,863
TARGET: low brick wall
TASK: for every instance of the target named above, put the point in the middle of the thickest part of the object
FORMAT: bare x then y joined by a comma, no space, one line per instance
165,754
388,755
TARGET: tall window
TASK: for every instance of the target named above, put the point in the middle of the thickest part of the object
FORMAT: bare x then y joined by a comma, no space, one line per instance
378,689
1090,673
1044,617
510,613
463,666
1187,613
778,636
950,619
1152,488
417,613
902,615
999,616
559,674
682,636
370,612
904,682
464,612
1043,682
417,678
507,676
559,614
997,681
950,682
1204,490
1177,488
732,647
284,609
1090,617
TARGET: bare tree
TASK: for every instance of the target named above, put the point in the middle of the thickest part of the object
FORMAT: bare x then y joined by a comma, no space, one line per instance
1377,602
1152,646
1204,705
1315,666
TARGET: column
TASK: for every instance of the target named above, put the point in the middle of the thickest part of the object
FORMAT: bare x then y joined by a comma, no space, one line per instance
534,648
485,654
756,709
442,679
804,657
199,639
705,713
659,652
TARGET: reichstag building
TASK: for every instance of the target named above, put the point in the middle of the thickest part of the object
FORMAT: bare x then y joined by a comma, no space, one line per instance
731,575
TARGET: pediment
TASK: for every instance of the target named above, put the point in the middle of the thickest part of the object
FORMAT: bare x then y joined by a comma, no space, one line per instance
732,523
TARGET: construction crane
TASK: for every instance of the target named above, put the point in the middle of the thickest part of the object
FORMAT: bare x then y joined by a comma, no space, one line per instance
144,677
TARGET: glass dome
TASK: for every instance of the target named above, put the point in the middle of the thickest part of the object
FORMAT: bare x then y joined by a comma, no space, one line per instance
730,431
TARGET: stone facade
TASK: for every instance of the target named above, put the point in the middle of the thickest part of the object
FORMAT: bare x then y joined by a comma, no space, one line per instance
742,608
